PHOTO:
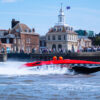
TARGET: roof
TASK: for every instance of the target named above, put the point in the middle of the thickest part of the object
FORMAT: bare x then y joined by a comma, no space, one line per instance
7,36
3,30
67,32
23,29
61,28
10,36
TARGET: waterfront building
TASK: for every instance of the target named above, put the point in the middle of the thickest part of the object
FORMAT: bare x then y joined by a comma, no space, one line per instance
83,39
26,40
62,37
6,41
42,44
84,43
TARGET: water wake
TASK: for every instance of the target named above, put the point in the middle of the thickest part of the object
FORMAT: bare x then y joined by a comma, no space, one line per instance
14,68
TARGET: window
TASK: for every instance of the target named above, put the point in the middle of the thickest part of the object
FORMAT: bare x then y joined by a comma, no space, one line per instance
48,37
28,49
64,37
3,40
28,40
53,37
18,41
14,40
17,30
59,37
70,37
59,46
71,29
26,30
54,47
60,19
30,30
7,40
54,29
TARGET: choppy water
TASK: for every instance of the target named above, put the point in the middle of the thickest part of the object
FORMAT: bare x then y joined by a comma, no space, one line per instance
50,83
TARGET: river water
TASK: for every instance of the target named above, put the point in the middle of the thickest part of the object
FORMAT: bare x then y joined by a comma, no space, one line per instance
46,83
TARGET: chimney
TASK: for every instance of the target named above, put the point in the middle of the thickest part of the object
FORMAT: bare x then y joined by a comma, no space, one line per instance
14,23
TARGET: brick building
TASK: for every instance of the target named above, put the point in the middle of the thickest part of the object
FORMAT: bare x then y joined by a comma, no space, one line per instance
26,40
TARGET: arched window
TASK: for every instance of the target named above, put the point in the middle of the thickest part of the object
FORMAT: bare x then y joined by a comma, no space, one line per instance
53,46
59,46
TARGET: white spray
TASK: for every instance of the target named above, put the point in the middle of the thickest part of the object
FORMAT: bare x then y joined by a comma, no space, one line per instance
14,68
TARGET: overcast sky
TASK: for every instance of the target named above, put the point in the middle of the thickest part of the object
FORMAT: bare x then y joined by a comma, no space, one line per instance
43,14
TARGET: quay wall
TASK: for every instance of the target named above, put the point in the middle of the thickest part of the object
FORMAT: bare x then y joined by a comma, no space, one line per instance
89,56
79,56
3,57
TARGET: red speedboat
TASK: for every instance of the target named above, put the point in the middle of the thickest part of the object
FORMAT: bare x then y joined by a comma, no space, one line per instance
55,62
66,62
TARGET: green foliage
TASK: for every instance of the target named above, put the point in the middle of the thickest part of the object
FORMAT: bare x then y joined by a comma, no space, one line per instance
96,40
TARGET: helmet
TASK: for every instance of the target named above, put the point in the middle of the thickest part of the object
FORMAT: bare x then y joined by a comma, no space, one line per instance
54,57
60,58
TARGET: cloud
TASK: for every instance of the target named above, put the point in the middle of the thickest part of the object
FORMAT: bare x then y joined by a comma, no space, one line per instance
8,1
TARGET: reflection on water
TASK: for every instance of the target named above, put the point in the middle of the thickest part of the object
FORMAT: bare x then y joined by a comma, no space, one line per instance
46,83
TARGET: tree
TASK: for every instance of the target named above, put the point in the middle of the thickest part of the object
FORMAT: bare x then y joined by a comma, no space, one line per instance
96,40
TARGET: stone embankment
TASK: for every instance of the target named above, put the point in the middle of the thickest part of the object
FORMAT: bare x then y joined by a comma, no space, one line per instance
3,57
89,56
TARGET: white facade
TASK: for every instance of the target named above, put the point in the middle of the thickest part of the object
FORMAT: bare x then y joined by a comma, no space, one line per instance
62,36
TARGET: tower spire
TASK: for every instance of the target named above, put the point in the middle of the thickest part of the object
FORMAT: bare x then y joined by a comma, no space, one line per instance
61,5
61,16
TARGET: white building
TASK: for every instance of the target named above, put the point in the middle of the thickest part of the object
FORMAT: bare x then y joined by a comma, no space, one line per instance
62,36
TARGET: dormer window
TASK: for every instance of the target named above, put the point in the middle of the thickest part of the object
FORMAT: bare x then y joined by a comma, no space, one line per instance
30,30
26,30
71,29
54,29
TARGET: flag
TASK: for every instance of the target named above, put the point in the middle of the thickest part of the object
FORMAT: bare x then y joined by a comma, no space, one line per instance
68,7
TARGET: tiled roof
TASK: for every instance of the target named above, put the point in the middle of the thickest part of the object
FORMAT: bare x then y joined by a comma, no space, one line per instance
24,28
21,27
62,28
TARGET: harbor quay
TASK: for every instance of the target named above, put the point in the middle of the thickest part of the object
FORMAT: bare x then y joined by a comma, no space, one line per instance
3,57
89,56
